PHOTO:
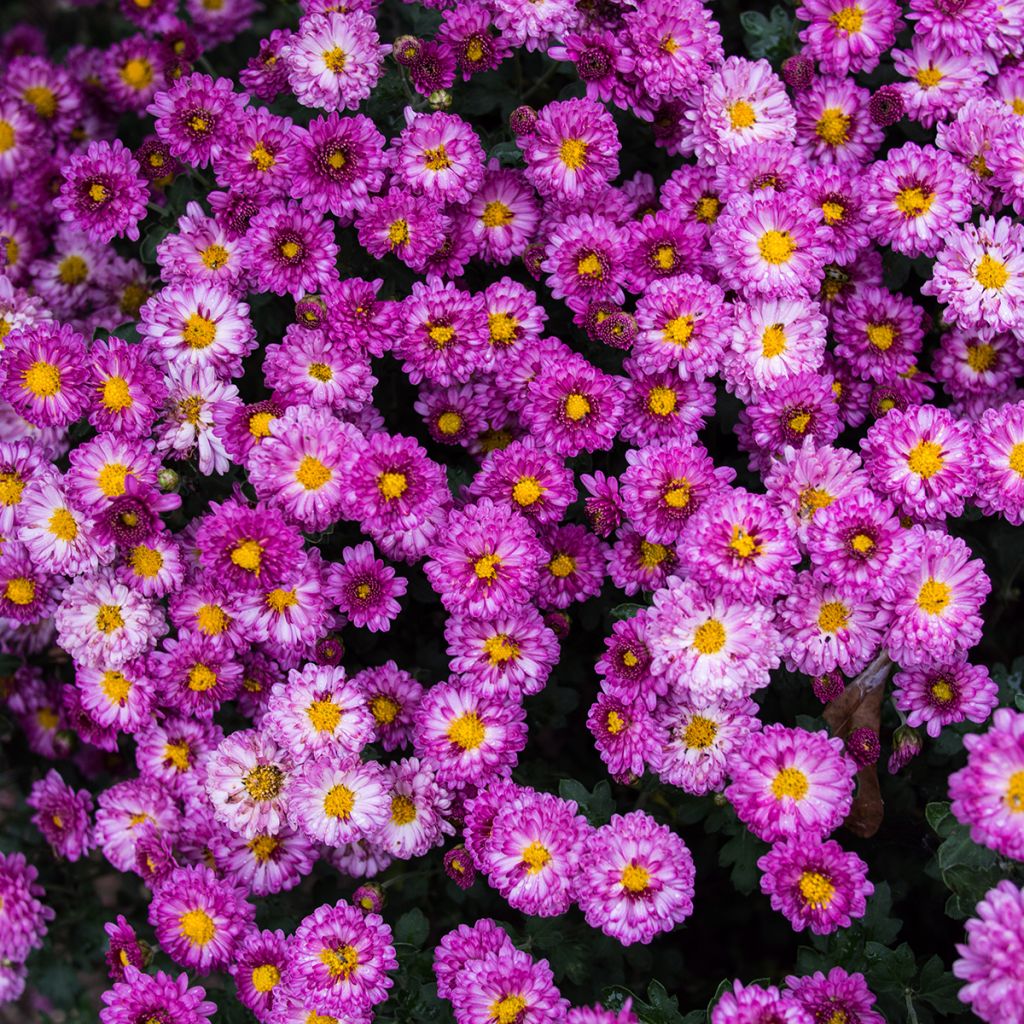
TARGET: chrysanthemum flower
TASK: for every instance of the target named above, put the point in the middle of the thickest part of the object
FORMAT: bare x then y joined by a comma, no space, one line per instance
466,737
709,645
838,992
123,808
995,943
624,734
532,24
334,799
55,532
174,750
123,949
392,696
507,984
196,115
345,957
188,428
43,373
756,1004
141,996
121,698
196,674
127,389
945,694
334,60
198,918
790,783
260,960
365,589
463,944
939,79
967,364
845,37
583,260
503,214
62,816
418,807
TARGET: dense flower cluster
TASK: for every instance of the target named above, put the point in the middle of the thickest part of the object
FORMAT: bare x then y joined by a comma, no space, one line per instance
198,503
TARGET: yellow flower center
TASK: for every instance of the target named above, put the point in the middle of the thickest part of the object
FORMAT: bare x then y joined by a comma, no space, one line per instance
146,562
744,544
115,686
707,208
925,459
338,802
678,494
862,543
312,473
981,357
116,395
199,332
324,715
403,810
7,137
933,596
928,77
449,423
197,926
201,678
615,723
72,270
264,782
212,619
259,424
833,616
504,328
913,202
248,555
991,273
562,565
773,341
776,247
265,977
509,1010
384,709
398,233
590,266
833,127
709,637
496,215
816,889
486,568
661,401
527,491
179,754
290,249
340,962
1015,792
679,330
535,856
262,157
833,211
279,600
137,73
441,334
42,379
335,59
111,479
942,691
500,648
848,19
62,525
1016,459
651,556
11,486
881,336
437,159
741,115
790,782
263,847
214,256
635,878
98,192
665,257
467,731
700,732
20,591
108,618
577,406
573,153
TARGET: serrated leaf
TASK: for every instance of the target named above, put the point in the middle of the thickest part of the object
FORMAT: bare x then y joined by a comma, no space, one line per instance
742,852
626,610
938,987
412,927
597,806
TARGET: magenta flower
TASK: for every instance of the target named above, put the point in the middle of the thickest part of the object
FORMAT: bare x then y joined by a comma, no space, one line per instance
104,193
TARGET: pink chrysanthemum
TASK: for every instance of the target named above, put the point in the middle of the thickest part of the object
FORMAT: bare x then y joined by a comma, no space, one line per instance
334,799
840,992
945,694
845,37
143,996
62,816
507,983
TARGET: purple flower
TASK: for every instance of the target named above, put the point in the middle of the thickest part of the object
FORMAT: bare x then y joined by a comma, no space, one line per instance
143,996
507,984
104,193
24,916
196,115
62,815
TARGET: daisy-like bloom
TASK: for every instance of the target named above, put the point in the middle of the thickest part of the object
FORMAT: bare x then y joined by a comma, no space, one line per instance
770,340
975,136
662,245
967,364
289,250
198,324
600,61
467,31
318,711
923,459
440,156
696,741
345,957
823,629
532,481
858,545
636,879
736,546
623,734
843,36
62,816
503,214
533,853
260,960
188,428
127,389
637,564
485,561
573,150
196,673
878,333
198,918
815,884
195,116
445,334
302,466
999,462
770,243
24,916
463,944
124,949
334,799
665,485
914,197
392,696
682,323
708,645
365,589
835,190
467,738
174,752
979,275
663,409
21,461
418,805
336,162
104,193
988,794
756,1004
22,136
573,566
246,779
123,808
256,159
940,80
790,783
43,373
101,467
55,532
148,996
507,985
409,226
511,653
583,261
514,318
840,992
334,60
120,698
741,103
532,24
946,694
768,167
269,862
988,959
27,593
101,622
573,406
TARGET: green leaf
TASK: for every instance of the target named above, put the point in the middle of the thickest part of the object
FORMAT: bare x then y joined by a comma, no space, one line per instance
412,928
742,852
626,610
597,806
890,970
938,987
